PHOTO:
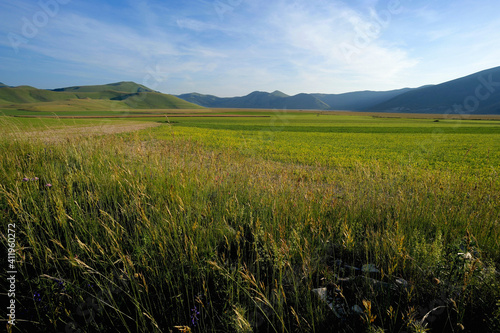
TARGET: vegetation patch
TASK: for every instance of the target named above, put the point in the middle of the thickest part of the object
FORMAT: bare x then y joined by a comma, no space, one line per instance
267,225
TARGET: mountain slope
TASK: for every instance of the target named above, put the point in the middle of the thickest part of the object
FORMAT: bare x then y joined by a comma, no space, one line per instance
26,94
478,93
304,101
85,104
278,93
130,94
2,85
258,100
200,99
124,86
359,100
153,100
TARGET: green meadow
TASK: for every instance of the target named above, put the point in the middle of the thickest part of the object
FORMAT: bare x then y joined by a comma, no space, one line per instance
295,222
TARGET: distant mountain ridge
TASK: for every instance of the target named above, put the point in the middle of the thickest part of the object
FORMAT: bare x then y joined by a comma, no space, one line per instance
478,93
354,101
119,95
456,96
258,100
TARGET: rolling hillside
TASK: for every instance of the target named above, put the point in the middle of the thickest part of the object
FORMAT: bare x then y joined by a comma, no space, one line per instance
27,94
109,96
124,86
153,100
478,93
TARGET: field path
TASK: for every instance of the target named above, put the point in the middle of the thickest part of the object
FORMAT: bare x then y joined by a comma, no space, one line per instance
62,133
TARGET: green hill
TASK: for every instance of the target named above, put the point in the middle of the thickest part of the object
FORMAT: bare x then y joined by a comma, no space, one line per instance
154,100
83,104
120,94
124,86
26,94
2,85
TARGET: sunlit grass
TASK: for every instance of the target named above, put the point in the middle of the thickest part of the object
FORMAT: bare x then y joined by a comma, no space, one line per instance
186,227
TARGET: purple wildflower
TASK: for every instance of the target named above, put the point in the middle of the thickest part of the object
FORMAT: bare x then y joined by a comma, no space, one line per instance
194,316
48,185
61,285
26,179
37,297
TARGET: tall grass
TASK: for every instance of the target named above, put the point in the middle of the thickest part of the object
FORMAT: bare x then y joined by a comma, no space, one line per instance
137,234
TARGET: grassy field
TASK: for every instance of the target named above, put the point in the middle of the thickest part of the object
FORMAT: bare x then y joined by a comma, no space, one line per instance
300,222
95,113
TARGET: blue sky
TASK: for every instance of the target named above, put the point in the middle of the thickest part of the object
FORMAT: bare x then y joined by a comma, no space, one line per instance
233,47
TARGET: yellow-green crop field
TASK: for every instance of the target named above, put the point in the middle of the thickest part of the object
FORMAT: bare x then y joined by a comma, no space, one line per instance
294,222
344,141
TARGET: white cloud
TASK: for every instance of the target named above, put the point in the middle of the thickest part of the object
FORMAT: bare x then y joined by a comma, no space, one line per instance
333,38
427,15
195,25
291,45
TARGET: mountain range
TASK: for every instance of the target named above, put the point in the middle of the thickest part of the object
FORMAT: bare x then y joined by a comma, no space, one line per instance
478,93
355,101
258,100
